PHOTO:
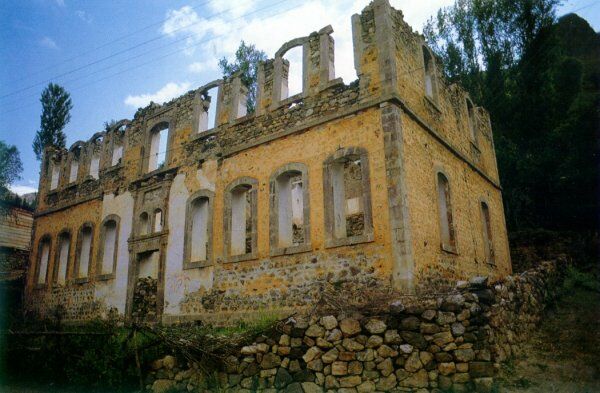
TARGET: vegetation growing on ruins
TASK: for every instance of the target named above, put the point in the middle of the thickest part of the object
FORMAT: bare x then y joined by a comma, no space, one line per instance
56,108
540,79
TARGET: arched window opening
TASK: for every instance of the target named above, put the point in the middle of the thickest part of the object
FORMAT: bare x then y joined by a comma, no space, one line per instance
85,250
487,233
74,169
159,137
109,246
199,243
292,73
44,258
117,154
158,223
290,209
95,165
445,213
144,224
241,220
62,260
55,175
347,203
472,120
429,68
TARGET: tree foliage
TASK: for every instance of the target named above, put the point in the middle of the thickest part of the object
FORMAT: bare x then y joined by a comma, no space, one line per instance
540,79
56,108
246,62
10,165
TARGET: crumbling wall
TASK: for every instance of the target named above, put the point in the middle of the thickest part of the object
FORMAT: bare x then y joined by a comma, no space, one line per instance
449,342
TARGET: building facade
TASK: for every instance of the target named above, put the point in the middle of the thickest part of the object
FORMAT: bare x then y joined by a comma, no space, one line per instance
390,182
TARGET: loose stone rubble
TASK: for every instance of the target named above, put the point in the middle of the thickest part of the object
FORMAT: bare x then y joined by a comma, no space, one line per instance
453,342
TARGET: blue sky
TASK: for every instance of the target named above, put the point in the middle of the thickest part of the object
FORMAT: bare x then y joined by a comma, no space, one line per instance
115,56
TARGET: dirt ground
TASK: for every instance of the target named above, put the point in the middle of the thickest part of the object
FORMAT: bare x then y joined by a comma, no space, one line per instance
563,355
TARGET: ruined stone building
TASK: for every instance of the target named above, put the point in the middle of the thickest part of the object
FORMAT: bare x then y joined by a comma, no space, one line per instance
389,181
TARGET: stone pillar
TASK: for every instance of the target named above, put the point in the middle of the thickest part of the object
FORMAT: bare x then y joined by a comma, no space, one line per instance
403,263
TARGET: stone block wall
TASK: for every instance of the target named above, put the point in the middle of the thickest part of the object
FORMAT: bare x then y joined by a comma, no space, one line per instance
450,342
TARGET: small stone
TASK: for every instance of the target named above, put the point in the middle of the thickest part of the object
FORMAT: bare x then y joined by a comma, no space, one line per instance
169,362
321,342
366,387
385,352
334,335
352,345
350,382
428,315
478,282
282,378
458,329
447,368
249,350
312,353
461,378
329,322
349,327
339,368
429,328
365,356
284,340
163,386
315,331
415,339
392,337
315,365
406,348
463,315
442,338
331,382
294,366
425,357
346,356
413,363
386,367
156,365
453,303
270,360
410,323
396,307
464,355
374,341
295,387
462,367
262,348
445,318
355,368
386,384
462,284
375,326
311,387
330,356
420,379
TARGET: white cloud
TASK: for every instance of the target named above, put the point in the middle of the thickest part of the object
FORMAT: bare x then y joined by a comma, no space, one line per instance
84,16
21,190
48,43
202,66
269,29
166,93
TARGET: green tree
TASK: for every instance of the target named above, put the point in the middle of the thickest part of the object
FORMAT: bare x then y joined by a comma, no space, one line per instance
246,61
10,165
56,108
540,80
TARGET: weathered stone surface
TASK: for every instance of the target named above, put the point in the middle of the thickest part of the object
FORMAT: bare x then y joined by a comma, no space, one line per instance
282,378
366,387
386,367
428,315
445,318
429,328
350,327
406,348
413,363
311,387
453,303
387,383
315,331
447,368
410,323
420,379
339,368
392,337
458,329
374,341
163,386
169,362
352,345
350,381
396,307
415,339
330,356
270,360
295,387
329,322
442,338
375,326
484,385
464,355
312,353
355,367
315,365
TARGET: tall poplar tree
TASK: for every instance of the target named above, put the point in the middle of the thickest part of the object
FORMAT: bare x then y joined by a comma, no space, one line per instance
56,108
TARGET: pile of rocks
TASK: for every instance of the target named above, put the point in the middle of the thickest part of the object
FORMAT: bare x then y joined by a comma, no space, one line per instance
450,342
144,299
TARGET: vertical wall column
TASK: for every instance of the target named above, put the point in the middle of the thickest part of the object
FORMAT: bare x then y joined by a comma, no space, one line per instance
403,258
384,30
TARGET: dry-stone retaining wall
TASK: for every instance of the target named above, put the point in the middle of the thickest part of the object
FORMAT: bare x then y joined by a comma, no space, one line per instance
450,342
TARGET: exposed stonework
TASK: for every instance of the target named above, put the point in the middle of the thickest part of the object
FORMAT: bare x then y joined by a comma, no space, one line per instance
451,342
335,184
